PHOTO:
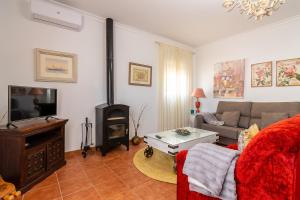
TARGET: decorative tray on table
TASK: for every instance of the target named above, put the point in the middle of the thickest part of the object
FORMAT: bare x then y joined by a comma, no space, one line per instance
182,132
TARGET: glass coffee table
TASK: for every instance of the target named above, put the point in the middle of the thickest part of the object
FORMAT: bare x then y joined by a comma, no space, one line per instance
171,143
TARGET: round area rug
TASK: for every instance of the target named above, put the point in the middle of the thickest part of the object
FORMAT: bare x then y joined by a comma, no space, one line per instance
158,167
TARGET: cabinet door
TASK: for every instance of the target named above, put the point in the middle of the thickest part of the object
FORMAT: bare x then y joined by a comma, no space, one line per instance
55,153
35,163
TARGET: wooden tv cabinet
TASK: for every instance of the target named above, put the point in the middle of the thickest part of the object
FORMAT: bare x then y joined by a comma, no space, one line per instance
31,152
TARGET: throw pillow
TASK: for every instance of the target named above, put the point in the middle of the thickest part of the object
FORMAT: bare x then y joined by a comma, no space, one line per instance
246,136
252,132
268,118
241,139
231,118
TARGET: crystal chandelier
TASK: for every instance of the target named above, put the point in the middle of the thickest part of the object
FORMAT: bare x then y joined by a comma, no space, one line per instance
254,8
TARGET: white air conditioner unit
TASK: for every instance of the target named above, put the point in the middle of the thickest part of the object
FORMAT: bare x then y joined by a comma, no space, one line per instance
56,14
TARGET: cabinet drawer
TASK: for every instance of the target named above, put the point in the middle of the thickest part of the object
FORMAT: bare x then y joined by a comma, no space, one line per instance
55,153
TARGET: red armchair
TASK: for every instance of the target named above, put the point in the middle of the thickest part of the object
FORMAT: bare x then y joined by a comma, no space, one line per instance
268,168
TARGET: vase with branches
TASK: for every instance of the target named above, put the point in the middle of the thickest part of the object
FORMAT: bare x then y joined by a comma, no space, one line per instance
136,124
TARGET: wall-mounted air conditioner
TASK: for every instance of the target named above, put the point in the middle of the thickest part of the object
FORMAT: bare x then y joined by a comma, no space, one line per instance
50,12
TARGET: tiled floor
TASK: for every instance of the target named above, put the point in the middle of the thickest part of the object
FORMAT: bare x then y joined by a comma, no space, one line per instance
112,177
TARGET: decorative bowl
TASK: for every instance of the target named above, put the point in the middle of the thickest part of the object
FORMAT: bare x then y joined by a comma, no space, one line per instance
183,132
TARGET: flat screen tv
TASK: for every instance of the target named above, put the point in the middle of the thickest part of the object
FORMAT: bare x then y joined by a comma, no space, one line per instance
31,102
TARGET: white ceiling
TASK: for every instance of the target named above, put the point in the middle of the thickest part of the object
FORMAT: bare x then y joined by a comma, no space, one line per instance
192,22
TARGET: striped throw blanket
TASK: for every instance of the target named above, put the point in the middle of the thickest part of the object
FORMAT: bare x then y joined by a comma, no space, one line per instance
210,170
211,119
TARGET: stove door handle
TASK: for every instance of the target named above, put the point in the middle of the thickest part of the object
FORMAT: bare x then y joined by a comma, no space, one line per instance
126,132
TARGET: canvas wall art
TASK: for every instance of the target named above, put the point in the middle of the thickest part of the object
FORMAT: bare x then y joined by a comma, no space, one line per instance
288,72
140,75
261,74
55,66
229,78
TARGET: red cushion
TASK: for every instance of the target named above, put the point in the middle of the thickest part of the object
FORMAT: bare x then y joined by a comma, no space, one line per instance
266,168
233,146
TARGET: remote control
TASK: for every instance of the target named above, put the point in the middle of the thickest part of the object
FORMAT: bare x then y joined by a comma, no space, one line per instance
157,136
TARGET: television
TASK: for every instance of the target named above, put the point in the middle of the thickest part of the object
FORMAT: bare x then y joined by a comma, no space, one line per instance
31,102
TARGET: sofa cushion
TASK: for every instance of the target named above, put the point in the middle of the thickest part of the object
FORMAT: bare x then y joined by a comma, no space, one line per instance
231,118
224,131
244,122
246,136
268,118
243,107
292,108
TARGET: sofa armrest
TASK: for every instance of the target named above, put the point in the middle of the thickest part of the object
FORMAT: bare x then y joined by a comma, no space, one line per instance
198,121
182,180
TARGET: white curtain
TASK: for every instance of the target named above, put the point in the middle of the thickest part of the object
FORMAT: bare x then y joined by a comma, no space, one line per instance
175,82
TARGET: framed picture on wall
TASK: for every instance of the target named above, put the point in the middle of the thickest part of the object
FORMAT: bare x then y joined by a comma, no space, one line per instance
55,66
261,74
140,75
229,78
288,72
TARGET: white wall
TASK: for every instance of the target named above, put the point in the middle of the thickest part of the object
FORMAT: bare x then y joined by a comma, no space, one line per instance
270,43
19,35
132,45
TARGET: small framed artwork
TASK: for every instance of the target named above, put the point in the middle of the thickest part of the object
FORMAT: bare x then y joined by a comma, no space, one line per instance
54,66
261,74
288,72
140,75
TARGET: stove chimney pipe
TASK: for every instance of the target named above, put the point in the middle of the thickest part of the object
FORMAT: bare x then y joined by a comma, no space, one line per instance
110,60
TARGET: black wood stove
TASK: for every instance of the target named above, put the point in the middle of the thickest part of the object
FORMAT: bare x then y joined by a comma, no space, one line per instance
112,127
112,120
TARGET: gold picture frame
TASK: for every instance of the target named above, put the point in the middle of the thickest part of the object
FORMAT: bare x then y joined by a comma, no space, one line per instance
262,74
55,66
288,72
229,79
140,75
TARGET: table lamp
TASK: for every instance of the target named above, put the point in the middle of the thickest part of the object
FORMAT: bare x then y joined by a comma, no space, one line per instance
198,93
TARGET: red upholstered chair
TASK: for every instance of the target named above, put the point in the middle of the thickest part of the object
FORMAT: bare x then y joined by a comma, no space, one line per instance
268,168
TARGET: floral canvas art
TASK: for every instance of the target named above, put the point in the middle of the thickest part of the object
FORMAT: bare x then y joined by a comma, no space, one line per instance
288,72
261,74
229,78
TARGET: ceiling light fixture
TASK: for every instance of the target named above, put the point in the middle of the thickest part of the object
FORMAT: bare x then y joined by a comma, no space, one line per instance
254,8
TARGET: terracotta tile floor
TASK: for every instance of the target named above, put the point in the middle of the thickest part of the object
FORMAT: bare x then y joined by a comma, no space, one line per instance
112,177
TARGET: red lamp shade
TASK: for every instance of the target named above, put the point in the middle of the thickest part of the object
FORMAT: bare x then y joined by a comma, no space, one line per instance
198,93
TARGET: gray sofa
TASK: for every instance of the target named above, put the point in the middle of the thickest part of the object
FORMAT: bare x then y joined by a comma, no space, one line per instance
250,113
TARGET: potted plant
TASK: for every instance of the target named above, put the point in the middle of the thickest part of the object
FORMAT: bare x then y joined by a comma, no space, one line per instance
136,124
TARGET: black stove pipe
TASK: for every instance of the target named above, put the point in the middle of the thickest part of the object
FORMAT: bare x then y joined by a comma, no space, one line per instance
110,60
